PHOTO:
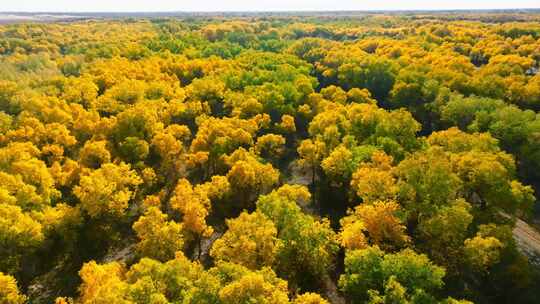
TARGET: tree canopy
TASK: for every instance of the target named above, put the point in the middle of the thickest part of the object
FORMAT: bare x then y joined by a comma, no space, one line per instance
281,158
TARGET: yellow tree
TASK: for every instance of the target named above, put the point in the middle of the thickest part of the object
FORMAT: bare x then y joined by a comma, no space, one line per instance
216,189
378,222
311,154
222,136
482,252
249,177
262,287
20,235
24,177
287,124
251,240
270,146
310,298
107,190
375,180
169,144
103,283
9,292
337,166
94,153
194,206
294,193
158,238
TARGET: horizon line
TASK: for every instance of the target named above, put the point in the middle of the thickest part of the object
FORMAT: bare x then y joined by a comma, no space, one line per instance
271,11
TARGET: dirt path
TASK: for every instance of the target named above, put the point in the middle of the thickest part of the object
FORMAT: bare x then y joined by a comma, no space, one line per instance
528,240
331,291
298,176
527,235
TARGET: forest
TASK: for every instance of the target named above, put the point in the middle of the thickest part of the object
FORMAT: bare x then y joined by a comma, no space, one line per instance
379,158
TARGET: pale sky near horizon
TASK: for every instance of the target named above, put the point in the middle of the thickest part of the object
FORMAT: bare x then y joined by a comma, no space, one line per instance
252,5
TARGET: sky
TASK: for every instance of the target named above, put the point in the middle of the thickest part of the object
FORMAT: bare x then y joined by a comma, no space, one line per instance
252,5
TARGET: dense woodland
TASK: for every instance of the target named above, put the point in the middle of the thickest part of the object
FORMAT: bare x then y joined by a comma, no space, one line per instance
374,159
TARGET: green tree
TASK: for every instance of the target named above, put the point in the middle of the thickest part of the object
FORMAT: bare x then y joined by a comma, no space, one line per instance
309,245
372,269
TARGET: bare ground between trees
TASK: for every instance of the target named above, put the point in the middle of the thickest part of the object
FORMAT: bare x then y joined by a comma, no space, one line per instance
528,240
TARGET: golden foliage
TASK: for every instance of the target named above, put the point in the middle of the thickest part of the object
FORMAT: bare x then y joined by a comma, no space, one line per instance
251,240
